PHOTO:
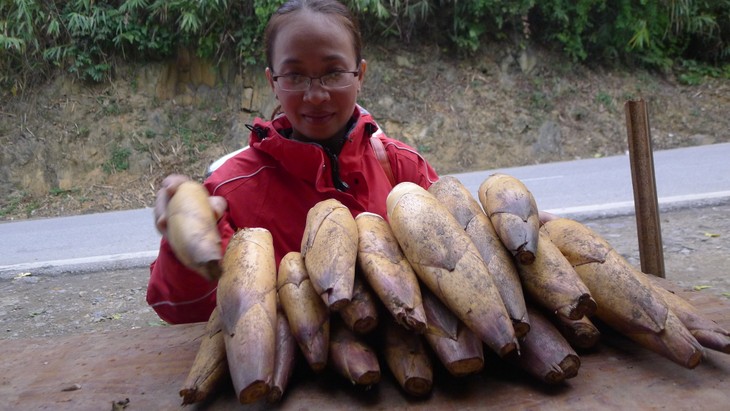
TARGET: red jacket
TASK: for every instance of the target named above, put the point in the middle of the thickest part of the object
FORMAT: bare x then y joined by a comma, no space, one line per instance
273,184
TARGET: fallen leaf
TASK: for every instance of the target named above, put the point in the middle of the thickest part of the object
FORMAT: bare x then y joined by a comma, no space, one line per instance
711,235
701,287
726,295
120,405
22,275
72,387
158,323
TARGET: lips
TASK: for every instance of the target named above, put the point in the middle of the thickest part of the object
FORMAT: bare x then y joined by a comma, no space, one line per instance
317,118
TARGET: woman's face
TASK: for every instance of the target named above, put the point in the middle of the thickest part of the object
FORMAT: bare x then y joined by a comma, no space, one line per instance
314,44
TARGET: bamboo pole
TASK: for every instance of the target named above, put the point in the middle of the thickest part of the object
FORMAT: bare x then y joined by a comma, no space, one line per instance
646,204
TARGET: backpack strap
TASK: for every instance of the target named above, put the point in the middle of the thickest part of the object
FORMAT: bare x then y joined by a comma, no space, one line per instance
382,157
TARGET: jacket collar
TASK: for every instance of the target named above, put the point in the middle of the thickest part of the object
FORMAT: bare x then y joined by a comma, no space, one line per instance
308,161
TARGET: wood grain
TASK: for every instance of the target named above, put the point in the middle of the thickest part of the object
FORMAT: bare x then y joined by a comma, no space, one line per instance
148,366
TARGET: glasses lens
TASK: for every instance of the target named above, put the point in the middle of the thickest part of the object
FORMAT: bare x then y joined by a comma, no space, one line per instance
338,79
334,80
293,82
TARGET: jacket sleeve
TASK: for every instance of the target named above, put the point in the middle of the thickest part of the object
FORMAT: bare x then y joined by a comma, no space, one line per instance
408,164
177,293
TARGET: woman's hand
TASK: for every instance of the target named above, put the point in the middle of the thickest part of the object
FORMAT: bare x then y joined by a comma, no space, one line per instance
167,190
545,217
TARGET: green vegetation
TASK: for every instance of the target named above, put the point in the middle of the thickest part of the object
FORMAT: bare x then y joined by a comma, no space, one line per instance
196,141
604,99
16,201
62,192
86,38
118,160
10,205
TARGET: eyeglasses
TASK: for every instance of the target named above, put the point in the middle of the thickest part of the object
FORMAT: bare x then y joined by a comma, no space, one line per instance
330,81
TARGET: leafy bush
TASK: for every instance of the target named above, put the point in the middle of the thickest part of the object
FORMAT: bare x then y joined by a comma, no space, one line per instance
86,37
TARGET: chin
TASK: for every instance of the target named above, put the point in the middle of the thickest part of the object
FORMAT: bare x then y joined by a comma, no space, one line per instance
317,134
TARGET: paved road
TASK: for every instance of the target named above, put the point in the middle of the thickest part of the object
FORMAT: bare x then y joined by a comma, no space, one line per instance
577,189
602,186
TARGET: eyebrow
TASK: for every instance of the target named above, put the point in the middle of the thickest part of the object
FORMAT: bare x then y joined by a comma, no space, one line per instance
327,59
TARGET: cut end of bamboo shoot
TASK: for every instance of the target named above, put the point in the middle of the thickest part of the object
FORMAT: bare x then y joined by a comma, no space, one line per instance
556,376
570,366
695,359
418,387
256,391
365,325
521,328
525,257
367,378
414,320
507,349
585,306
191,396
580,333
317,366
203,388
335,303
274,395
713,340
586,339
467,366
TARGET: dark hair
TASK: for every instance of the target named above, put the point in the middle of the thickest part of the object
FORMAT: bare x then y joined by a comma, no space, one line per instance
330,7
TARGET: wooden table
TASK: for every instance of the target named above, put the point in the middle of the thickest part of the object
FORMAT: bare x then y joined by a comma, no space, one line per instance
147,366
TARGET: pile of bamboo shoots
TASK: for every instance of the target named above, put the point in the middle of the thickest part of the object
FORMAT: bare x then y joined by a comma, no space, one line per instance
444,277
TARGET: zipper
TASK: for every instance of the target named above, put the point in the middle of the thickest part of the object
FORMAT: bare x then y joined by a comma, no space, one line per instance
336,180
261,132
340,185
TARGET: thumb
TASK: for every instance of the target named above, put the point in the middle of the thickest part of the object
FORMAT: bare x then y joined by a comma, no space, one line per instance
219,205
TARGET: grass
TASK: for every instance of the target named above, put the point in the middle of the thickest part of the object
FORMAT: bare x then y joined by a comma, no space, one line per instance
604,99
539,100
197,138
11,205
56,192
17,202
423,148
118,161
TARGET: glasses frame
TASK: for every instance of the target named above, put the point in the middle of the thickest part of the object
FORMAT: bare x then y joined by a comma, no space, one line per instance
355,73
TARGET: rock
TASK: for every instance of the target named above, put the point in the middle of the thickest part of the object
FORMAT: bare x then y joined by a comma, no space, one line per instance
527,60
549,141
403,61
701,139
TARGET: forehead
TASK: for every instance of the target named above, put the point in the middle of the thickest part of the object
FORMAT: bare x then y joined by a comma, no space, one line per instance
308,37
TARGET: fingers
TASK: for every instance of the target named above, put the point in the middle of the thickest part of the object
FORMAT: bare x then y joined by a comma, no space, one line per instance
168,187
219,205
159,211
545,217
172,182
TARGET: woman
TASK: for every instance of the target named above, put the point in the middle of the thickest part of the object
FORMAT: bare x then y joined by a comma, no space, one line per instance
319,147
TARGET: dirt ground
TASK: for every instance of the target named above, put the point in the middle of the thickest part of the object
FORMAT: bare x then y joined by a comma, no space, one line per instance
71,149
696,249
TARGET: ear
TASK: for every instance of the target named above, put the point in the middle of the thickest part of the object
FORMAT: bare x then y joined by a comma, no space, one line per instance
270,78
361,77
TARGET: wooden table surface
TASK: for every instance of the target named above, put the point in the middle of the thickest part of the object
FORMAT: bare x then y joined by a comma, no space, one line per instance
148,366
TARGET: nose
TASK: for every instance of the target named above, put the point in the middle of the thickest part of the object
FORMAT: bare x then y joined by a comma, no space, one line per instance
316,94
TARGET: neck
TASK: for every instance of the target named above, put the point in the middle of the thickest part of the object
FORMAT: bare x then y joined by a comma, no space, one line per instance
334,144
